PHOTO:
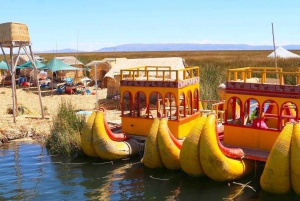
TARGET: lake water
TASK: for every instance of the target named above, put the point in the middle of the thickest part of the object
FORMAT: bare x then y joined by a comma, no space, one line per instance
29,172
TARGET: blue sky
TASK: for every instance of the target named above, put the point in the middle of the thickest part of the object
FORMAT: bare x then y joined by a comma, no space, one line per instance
97,23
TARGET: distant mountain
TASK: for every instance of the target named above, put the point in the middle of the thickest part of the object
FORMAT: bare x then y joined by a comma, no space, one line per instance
175,47
189,47
292,47
67,50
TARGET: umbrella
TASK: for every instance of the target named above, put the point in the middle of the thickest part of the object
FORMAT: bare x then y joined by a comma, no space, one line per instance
28,64
3,65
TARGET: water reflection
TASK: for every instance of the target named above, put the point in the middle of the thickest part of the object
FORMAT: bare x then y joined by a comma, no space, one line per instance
28,172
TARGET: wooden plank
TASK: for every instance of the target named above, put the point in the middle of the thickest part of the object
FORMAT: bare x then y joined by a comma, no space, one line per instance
255,154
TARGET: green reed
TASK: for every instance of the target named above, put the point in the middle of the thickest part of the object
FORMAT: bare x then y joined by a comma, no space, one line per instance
65,131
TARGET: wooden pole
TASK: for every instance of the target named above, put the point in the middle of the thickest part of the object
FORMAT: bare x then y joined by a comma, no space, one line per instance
52,83
37,79
274,50
274,47
15,65
13,83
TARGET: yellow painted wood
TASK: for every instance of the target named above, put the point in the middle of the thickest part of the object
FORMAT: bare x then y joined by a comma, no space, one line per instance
250,137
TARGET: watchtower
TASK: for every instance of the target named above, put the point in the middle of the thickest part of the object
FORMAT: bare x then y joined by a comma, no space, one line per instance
16,35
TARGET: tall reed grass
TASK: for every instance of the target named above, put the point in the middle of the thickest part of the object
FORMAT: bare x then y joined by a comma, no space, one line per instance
65,131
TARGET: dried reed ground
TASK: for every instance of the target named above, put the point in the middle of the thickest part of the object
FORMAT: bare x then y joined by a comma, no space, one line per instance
40,128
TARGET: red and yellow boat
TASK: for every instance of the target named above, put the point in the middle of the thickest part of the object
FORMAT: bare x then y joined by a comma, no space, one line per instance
161,112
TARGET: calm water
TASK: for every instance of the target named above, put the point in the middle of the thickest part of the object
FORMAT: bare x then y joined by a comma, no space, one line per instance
29,172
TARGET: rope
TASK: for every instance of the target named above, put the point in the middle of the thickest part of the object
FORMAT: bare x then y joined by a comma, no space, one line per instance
158,178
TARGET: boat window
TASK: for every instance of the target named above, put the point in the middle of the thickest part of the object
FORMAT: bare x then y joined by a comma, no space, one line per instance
251,111
189,103
288,113
182,105
155,102
269,117
140,105
170,106
126,103
196,101
234,111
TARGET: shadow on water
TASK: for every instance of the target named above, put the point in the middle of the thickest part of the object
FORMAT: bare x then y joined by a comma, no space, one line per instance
131,180
29,172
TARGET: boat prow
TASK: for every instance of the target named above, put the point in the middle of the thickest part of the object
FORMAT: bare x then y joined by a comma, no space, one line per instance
105,147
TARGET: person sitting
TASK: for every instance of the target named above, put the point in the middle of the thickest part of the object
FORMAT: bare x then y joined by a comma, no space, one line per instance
260,122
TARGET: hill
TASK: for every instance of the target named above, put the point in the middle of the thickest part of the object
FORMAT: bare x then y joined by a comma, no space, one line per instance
188,47
175,47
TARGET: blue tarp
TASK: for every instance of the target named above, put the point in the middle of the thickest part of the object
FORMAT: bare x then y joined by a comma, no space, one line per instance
3,65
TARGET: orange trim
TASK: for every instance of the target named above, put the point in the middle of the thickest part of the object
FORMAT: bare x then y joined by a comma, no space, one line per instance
176,142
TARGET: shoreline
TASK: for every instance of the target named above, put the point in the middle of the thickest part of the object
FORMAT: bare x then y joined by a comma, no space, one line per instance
30,123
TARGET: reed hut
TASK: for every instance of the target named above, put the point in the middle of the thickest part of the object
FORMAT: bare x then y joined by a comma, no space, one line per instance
22,59
100,68
113,76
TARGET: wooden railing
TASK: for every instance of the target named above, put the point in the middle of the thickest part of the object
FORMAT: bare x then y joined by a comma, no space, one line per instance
246,73
214,108
163,73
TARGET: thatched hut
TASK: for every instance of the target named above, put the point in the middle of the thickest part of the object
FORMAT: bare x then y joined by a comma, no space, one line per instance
113,76
102,67
22,59
27,72
72,61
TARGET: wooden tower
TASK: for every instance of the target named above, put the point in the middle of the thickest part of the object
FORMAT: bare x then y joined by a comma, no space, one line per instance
16,35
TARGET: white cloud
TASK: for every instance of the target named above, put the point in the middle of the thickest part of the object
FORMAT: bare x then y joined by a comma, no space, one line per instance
206,41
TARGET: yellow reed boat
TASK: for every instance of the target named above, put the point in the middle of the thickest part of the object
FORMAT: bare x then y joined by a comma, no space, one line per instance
161,108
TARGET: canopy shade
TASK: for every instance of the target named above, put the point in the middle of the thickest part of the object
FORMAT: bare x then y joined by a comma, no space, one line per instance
3,65
57,65
28,64
283,53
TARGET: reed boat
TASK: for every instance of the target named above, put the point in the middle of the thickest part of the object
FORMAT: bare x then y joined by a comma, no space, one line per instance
254,120
265,104
265,125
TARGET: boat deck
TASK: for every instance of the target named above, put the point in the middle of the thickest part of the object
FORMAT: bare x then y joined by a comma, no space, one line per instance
255,154
252,154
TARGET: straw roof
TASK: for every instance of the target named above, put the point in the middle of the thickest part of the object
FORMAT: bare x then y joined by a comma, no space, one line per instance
175,63
70,60
14,32
22,59
111,61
